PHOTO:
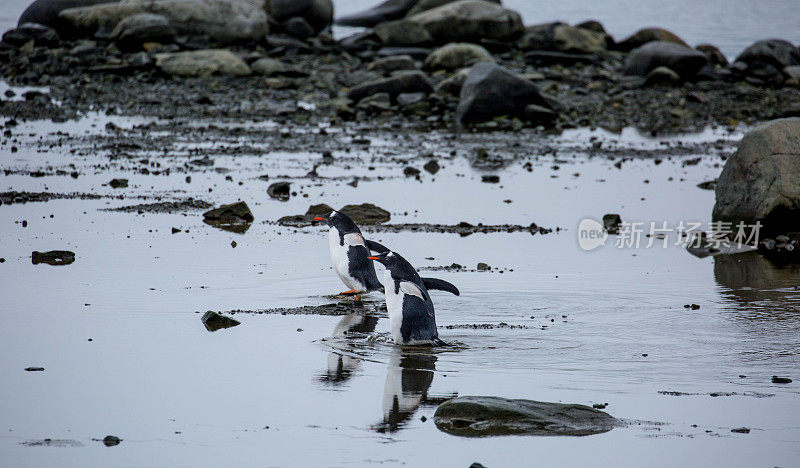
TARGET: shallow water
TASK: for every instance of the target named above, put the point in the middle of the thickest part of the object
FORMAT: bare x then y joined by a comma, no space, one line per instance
607,326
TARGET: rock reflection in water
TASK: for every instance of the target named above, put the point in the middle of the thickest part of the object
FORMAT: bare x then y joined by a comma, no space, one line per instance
763,300
753,281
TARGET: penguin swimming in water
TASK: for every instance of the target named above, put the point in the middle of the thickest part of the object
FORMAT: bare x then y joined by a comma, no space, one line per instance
349,252
411,317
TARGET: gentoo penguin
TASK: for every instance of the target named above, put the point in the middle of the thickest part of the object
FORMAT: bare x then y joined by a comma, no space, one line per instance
349,252
411,317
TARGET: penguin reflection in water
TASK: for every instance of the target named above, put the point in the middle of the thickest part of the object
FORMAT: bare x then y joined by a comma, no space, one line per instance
411,316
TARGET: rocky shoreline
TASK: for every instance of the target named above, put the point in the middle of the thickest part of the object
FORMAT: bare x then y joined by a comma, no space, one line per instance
408,73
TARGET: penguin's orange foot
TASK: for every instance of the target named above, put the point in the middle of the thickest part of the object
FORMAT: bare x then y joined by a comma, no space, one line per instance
348,293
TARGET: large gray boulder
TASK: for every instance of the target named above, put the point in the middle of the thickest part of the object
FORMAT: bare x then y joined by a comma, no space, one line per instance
46,11
480,416
402,33
457,55
683,60
572,39
425,5
469,21
222,20
643,36
491,91
401,82
135,30
387,11
317,13
775,52
761,181
202,63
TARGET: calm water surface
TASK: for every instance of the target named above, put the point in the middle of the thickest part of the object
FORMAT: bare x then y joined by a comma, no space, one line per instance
602,327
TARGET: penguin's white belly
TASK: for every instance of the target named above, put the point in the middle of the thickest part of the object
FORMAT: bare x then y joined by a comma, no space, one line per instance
394,305
341,263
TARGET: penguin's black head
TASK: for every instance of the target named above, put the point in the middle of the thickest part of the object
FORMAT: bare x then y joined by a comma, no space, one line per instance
340,221
392,261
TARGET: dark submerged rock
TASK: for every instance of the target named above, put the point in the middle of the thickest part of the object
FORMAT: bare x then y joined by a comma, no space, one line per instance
491,91
481,416
781,380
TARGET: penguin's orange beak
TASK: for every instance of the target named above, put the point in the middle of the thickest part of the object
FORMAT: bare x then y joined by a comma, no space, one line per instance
319,218
373,258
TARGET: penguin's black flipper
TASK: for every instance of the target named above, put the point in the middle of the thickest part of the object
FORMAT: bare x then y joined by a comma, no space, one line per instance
442,285
376,247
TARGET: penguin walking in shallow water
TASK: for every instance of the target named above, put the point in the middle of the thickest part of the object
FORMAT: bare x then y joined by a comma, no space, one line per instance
350,252
411,317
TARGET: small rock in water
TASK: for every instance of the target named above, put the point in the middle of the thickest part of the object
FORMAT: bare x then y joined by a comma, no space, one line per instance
279,190
175,230
53,257
483,267
233,213
111,441
490,179
480,416
233,244
599,405
781,380
118,183
741,430
695,306
411,171
612,222
215,321
34,369
431,166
